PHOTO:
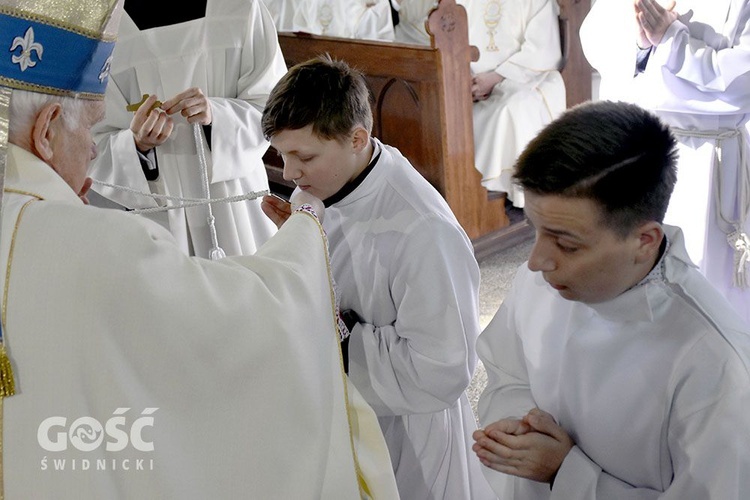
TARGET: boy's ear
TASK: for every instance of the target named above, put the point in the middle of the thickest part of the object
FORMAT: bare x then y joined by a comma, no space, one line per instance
360,139
650,235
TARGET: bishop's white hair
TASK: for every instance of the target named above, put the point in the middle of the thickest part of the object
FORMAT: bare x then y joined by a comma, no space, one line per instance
25,105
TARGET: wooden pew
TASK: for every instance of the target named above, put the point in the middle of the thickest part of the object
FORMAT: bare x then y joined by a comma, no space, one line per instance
422,105
577,72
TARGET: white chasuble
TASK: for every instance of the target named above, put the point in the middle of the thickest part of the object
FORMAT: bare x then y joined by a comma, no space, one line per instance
144,373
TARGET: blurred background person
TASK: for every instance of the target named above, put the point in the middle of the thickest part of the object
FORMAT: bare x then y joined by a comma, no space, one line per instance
690,63
412,19
361,19
516,85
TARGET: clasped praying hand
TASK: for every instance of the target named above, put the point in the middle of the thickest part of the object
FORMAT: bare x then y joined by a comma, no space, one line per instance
533,447
652,21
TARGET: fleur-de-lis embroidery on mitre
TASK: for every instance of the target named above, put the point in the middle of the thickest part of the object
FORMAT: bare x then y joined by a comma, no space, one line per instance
28,46
106,68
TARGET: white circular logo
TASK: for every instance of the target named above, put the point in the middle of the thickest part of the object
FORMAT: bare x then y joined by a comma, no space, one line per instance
86,434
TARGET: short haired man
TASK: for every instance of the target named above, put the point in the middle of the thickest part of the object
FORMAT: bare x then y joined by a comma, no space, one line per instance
615,370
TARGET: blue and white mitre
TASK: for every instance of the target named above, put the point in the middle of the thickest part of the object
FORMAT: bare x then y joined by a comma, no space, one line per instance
61,47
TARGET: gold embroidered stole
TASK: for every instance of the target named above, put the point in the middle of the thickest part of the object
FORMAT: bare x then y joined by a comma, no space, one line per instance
7,381
364,489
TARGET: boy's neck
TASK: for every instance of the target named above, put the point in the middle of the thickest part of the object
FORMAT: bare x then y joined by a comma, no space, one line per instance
356,180
364,159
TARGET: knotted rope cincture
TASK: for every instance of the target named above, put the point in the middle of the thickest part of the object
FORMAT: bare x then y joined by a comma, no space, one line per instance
182,202
216,251
737,238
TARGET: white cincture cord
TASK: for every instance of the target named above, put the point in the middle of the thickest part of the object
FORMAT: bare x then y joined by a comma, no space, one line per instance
181,202
216,252
737,238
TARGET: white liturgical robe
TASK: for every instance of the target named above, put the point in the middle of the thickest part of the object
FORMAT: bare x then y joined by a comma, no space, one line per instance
519,40
653,386
412,19
697,81
282,12
361,19
404,265
233,56
144,373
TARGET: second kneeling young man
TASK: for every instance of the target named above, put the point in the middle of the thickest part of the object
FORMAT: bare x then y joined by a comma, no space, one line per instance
615,370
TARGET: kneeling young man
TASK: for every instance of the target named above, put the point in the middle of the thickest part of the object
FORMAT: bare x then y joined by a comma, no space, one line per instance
404,269
615,369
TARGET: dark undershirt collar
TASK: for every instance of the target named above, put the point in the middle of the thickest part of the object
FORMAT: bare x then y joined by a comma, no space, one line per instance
349,187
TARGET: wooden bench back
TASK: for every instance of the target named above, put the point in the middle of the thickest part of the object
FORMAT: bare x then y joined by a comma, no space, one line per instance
422,103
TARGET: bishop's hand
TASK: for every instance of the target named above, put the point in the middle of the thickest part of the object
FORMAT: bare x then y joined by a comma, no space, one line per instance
300,197
279,210
82,194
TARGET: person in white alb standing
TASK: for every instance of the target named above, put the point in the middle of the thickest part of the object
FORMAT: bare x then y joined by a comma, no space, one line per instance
212,64
689,63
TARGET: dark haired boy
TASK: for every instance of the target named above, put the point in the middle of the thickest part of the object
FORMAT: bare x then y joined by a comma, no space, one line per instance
405,272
